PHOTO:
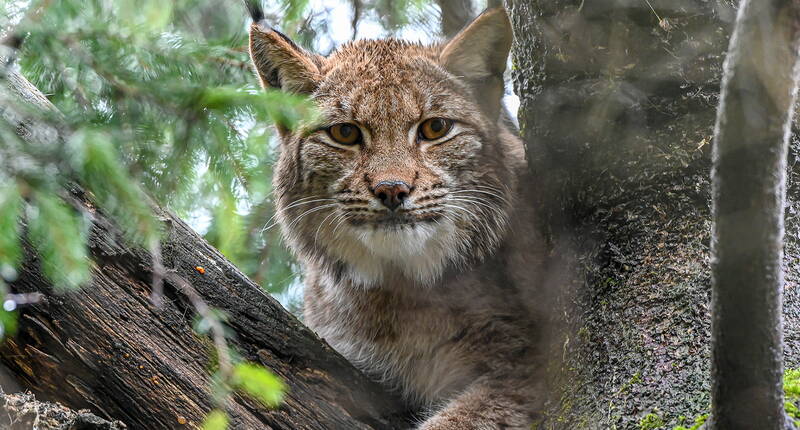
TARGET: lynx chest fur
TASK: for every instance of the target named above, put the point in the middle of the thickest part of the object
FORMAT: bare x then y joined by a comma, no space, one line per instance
408,207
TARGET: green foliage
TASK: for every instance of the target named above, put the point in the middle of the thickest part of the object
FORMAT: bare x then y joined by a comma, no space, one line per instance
8,323
259,383
651,421
793,411
8,317
155,100
60,238
293,10
249,378
215,420
96,162
791,391
10,209
160,97
229,372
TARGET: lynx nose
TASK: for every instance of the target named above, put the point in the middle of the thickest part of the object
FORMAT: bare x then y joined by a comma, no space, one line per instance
391,193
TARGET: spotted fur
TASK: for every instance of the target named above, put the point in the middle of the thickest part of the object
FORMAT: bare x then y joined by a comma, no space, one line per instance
433,299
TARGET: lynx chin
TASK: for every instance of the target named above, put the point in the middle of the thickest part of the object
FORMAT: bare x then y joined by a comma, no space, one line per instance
408,204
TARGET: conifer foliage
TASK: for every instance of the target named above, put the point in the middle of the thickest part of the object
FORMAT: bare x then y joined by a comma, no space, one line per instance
159,106
157,101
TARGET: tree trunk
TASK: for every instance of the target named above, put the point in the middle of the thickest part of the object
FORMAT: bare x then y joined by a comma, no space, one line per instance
107,348
618,102
748,186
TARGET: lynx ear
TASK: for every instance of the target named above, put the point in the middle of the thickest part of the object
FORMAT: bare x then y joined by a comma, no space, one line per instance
478,55
280,63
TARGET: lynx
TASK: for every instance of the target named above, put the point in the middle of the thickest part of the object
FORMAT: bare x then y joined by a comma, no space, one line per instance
409,207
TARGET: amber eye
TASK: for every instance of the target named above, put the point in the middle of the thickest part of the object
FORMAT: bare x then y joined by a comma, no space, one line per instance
346,134
434,128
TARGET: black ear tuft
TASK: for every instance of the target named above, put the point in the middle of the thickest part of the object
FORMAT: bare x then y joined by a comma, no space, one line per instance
280,62
13,41
255,10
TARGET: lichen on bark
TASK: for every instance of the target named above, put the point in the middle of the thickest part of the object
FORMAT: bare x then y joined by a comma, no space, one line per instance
21,411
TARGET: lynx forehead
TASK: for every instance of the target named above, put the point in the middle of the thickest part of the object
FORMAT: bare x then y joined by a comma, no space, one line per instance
406,175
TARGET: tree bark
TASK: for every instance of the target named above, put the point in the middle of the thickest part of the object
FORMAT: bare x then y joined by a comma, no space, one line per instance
618,107
455,15
618,101
24,412
748,186
108,349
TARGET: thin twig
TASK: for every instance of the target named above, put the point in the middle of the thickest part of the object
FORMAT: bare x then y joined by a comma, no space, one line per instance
654,11
202,308
157,294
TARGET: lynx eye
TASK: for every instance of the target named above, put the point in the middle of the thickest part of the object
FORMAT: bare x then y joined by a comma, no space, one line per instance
345,134
435,128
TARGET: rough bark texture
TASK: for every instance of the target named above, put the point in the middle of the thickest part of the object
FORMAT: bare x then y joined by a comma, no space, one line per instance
748,186
24,412
108,349
618,108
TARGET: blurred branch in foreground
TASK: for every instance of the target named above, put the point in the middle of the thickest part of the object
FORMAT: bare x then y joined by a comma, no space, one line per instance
751,143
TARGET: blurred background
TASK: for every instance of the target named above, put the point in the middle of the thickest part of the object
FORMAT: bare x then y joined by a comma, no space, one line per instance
161,102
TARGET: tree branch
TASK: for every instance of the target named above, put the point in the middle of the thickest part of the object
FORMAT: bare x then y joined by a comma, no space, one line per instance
109,348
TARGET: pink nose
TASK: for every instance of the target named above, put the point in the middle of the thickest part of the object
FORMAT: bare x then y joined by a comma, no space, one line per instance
392,193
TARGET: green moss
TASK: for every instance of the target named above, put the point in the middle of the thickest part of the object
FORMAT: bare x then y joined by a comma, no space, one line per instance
791,383
791,410
791,390
651,421
698,422
635,379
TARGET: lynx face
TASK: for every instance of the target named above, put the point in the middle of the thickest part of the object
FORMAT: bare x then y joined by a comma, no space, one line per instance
406,174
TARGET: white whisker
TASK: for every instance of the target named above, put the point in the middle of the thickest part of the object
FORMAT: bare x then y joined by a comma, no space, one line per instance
345,217
491,193
270,224
463,209
316,235
477,201
308,212
480,220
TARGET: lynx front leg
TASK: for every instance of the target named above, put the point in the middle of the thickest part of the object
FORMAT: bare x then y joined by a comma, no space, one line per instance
488,407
